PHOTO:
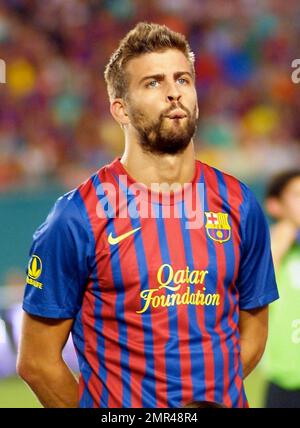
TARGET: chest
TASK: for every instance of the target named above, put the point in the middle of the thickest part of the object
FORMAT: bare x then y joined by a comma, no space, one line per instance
161,260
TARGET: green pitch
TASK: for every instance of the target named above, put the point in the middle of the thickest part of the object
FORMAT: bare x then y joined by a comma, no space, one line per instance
14,392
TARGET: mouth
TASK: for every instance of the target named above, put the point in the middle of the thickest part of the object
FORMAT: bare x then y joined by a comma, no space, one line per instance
177,114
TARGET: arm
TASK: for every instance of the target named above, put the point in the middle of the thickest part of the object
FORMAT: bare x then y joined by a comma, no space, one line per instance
253,327
256,283
40,361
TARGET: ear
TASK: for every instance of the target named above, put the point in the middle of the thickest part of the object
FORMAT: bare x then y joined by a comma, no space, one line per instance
118,110
273,207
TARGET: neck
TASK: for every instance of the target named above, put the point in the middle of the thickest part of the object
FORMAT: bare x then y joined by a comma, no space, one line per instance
148,168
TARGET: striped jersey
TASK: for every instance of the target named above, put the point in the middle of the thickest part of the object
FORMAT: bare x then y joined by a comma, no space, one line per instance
154,282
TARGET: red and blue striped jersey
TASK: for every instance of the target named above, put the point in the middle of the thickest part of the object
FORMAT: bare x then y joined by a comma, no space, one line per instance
155,303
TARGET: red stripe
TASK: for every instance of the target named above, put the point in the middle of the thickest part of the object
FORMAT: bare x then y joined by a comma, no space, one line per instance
214,202
131,280
178,262
88,321
81,387
110,329
158,316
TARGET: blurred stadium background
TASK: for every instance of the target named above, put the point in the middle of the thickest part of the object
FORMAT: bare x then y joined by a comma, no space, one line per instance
56,129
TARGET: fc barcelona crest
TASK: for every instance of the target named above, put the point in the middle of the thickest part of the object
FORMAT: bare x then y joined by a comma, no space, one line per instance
217,226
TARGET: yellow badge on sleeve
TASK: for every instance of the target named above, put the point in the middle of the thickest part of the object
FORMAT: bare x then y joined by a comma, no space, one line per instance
34,271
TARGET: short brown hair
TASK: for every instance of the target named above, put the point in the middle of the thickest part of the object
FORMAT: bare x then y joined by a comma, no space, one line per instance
143,38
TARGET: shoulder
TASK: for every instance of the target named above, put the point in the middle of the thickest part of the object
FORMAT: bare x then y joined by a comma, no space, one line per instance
87,193
69,211
225,181
77,200
80,205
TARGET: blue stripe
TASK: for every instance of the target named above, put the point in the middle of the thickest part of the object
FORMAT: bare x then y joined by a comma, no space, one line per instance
230,268
172,356
195,334
149,398
211,315
103,400
119,309
84,368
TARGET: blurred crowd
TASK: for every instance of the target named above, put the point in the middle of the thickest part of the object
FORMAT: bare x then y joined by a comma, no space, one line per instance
55,122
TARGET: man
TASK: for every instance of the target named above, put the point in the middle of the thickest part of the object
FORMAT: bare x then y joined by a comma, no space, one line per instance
162,312
282,358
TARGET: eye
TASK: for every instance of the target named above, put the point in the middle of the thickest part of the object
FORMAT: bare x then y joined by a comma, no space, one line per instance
182,80
151,84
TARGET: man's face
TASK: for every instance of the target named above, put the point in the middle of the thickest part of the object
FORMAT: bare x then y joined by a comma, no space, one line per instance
290,201
162,101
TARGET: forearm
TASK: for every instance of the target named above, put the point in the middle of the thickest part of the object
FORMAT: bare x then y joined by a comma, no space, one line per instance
253,328
250,356
55,385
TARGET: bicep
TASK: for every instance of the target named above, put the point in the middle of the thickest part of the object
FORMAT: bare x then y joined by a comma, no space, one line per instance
43,338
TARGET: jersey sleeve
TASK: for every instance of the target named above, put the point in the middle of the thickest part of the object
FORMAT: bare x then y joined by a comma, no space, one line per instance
256,279
58,267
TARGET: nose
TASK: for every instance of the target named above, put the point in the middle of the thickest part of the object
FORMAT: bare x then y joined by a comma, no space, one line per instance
173,94
174,97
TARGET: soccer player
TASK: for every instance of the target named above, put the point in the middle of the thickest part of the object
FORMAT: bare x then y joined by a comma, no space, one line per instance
282,358
164,309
